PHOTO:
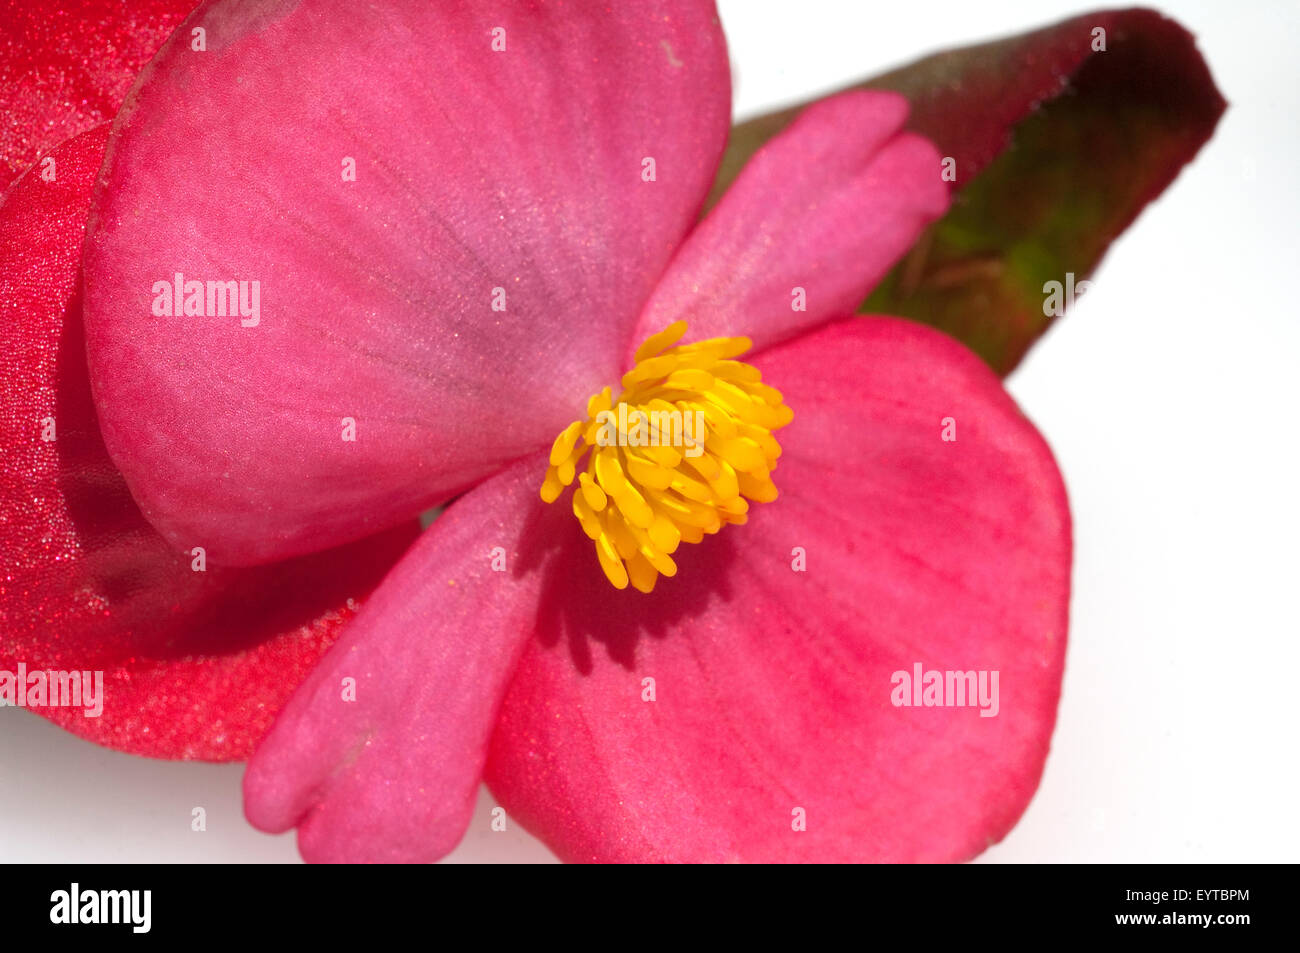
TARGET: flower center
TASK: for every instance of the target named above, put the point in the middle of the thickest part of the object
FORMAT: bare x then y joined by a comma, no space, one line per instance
681,453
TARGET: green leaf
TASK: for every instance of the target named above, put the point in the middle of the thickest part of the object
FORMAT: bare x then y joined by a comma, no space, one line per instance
1057,148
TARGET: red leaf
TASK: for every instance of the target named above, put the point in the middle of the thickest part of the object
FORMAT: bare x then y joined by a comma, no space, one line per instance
1057,148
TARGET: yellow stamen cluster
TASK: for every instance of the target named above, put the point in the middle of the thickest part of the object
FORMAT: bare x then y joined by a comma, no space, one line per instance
656,486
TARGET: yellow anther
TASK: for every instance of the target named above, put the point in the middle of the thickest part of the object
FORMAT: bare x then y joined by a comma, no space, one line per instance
563,445
679,454
593,494
599,402
610,562
657,342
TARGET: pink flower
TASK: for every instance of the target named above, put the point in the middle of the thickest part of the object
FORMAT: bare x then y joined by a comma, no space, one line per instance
748,708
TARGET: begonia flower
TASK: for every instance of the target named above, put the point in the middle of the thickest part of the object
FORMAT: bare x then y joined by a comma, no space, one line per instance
522,214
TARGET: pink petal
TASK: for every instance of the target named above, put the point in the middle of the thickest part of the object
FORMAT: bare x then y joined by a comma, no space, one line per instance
773,687
392,776
827,206
195,664
475,170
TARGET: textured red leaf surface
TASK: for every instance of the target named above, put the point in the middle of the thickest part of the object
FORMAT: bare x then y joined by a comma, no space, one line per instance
65,68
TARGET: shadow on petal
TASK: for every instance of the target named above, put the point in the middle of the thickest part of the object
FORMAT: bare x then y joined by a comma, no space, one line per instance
581,609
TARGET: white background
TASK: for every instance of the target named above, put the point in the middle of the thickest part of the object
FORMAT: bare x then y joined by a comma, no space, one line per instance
1170,398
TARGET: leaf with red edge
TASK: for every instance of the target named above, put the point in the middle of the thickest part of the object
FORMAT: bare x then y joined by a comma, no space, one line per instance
196,664
1057,149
